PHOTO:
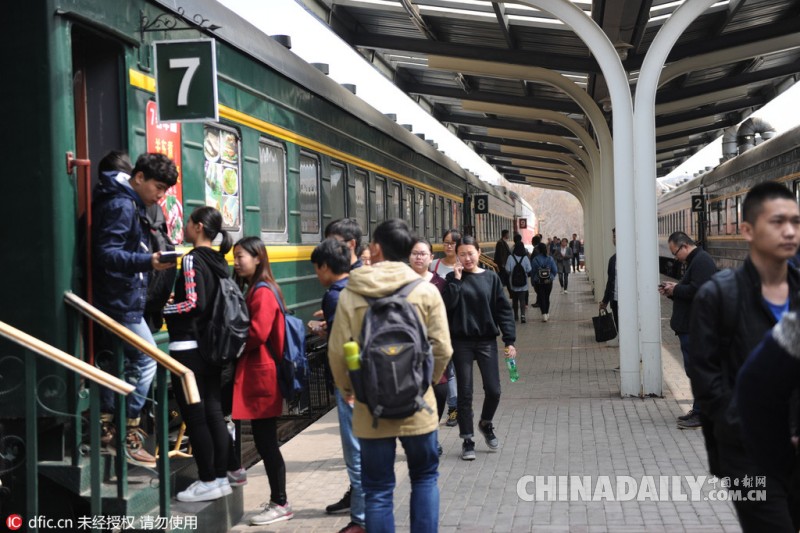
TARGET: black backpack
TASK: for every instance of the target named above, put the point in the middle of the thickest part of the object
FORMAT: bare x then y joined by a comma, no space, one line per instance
518,276
543,273
161,282
396,357
222,340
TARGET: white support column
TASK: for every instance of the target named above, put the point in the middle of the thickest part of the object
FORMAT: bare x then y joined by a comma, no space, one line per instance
617,80
645,190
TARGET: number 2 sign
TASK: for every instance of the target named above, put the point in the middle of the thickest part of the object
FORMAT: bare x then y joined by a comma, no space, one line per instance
186,80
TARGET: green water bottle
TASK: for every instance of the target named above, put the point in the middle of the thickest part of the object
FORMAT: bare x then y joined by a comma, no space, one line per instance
513,373
352,355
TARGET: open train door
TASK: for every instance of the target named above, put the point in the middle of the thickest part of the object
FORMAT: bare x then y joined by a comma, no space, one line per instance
98,71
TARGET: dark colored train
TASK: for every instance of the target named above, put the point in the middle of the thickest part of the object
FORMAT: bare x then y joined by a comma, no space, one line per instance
291,151
713,217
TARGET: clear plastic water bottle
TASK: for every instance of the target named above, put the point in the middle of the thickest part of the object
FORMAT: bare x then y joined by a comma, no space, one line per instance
513,373
231,427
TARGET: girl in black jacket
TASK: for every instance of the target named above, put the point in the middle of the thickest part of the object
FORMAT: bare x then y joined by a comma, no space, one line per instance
477,310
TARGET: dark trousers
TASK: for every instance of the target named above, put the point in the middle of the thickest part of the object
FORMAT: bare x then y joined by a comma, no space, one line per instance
563,278
484,352
575,262
519,301
775,514
440,391
204,421
615,310
684,340
543,291
265,436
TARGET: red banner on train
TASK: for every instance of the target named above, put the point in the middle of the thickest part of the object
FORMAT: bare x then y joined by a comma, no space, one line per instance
165,138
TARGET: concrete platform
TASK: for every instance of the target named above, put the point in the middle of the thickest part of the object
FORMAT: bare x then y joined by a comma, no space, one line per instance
564,417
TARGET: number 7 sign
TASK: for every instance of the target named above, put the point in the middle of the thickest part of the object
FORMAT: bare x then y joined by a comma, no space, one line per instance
186,80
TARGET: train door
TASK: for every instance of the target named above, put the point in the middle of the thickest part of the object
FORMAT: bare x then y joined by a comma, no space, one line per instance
97,71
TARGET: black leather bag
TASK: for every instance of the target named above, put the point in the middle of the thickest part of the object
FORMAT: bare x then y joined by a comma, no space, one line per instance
604,327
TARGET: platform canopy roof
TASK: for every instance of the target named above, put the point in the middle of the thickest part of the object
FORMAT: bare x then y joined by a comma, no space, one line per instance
749,51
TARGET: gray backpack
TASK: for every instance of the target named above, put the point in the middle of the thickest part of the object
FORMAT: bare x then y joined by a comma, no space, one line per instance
396,357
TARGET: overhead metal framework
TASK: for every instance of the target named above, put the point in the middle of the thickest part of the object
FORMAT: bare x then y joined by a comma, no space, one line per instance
736,74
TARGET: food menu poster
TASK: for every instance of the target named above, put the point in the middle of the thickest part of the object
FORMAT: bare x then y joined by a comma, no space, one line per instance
165,138
221,151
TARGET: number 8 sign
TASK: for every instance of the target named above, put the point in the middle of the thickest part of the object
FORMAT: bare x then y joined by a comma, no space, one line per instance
481,204
186,80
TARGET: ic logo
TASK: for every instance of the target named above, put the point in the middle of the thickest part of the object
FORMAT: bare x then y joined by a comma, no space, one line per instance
14,522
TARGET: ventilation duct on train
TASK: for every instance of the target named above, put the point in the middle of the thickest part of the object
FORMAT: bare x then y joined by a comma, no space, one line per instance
729,144
746,135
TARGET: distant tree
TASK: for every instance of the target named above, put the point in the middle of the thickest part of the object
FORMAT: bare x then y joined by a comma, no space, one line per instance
561,212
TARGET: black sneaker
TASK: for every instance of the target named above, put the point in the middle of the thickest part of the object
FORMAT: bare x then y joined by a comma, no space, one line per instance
687,416
439,449
487,430
690,423
341,505
468,450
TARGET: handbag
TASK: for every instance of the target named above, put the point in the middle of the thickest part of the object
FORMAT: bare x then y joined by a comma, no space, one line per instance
604,327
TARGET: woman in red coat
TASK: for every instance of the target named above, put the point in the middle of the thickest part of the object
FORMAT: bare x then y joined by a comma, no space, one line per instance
256,396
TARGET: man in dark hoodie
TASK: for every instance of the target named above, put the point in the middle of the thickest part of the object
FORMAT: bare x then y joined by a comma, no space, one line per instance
121,263
730,316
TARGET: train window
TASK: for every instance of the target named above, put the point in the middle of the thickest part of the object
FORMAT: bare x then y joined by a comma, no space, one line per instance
421,223
440,219
723,217
272,188
309,197
222,152
336,193
408,202
713,223
733,216
380,200
431,218
358,206
395,205
449,215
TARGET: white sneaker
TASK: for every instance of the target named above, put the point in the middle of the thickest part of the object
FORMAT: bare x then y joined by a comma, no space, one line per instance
272,513
545,317
237,478
566,291
224,486
201,491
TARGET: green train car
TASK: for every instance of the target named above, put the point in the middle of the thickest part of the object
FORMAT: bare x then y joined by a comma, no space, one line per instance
291,151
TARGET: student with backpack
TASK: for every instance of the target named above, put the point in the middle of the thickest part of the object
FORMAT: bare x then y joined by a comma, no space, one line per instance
371,291
518,267
256,395
544,271
478,310
187,318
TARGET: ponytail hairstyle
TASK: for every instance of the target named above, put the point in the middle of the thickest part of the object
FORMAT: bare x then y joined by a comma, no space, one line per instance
212,226
255,247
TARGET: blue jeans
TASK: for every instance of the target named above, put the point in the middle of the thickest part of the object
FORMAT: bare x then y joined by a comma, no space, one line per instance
139,371
452,387
351,449
684,340
484,352
377,461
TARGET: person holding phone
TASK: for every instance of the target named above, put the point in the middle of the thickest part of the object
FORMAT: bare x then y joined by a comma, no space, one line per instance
699,269
478,310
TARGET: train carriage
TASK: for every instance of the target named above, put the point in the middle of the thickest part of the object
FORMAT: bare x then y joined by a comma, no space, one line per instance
291,151
723,190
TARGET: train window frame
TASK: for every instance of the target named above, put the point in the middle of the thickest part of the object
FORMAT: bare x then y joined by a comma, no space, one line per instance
430,219
220,165
266,190
359,183
733,216
380,199
421,212
338,209
312,236
397,199
408,206
442,214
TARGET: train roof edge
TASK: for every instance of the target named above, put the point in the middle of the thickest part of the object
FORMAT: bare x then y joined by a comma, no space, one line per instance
266,50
